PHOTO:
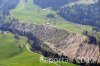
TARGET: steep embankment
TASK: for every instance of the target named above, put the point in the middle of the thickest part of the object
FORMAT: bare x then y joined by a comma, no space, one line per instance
60,41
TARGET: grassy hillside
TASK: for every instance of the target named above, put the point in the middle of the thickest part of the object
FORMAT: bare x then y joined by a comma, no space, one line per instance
29,12
8,46
12,55
29,59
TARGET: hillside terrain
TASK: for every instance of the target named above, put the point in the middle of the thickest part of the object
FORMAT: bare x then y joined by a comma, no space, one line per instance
31,29
54,4
31,13
86,12
6,42
58,40
5,6
12,50
28,11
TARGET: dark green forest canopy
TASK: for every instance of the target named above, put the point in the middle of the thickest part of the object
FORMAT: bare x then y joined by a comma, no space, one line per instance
82,14
52,3
78,13
5,6
8,4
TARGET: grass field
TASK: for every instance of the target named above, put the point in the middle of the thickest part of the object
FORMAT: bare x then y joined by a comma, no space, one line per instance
29,59
12,55
31,13
8,46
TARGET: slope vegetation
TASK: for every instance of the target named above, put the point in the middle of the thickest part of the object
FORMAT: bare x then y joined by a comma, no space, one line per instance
9,46
31,13
13,55
60,41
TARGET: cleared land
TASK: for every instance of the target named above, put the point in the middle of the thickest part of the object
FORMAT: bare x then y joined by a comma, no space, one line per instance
31,13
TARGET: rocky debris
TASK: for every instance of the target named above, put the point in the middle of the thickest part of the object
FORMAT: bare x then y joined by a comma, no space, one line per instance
88,51
60,41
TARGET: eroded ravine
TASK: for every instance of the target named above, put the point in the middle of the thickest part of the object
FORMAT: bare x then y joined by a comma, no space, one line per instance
60,41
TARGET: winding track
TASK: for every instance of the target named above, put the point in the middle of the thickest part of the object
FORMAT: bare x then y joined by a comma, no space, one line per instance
32,52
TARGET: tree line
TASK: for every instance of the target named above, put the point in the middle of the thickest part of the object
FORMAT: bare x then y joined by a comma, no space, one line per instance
82,14
5,6
93,37
78,13
55,4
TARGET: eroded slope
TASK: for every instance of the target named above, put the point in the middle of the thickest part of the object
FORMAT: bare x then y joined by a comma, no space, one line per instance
60,41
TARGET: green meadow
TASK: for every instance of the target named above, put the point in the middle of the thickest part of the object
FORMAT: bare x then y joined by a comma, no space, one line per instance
31,13
13,55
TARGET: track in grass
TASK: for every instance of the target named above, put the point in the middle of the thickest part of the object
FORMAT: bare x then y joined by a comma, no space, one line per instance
31,13
12,55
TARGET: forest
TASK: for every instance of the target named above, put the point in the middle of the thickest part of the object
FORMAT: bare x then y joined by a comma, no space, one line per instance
82,14
78,13
55,4
5,6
